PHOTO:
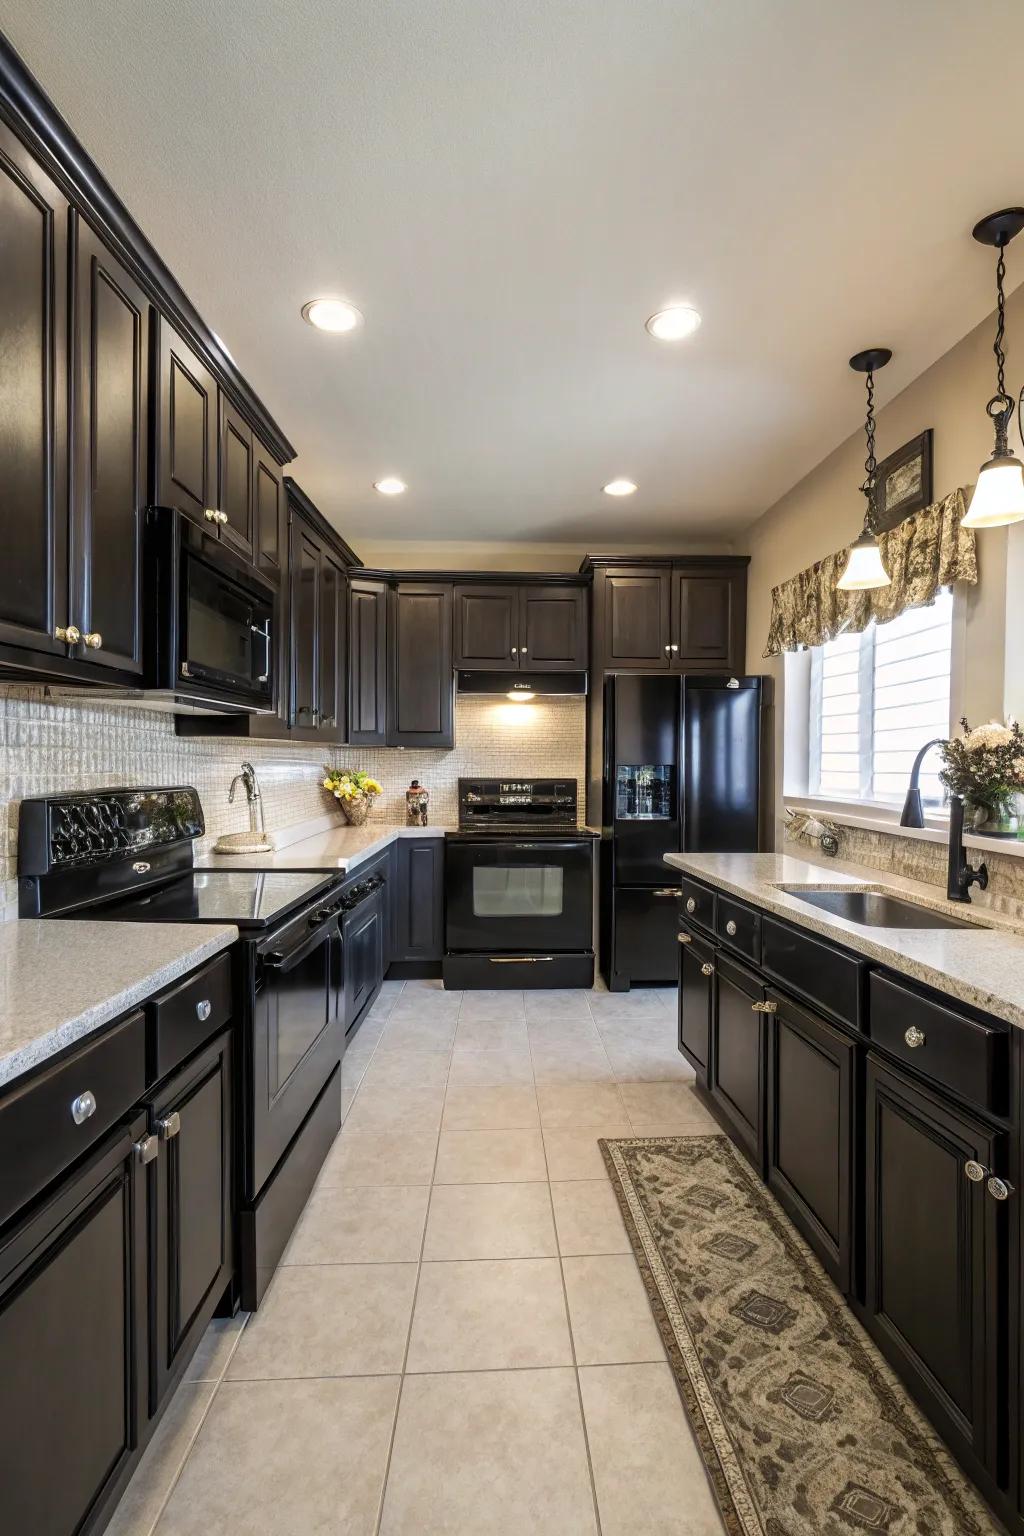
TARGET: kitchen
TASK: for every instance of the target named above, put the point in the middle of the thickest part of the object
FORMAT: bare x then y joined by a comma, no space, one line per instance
510,985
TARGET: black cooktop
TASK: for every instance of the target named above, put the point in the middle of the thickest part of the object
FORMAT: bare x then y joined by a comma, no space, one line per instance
248,898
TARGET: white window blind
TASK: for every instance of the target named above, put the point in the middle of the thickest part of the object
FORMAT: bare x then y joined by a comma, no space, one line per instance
875,699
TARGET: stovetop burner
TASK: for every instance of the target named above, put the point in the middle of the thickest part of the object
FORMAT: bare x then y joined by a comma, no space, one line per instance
249,899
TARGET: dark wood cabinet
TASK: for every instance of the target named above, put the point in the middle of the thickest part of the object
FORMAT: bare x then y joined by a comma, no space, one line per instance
696,1003
935,1256
317,628
363,932
736,1077
708,620
636,610
487,627
187,429
72,1343
33,430
417,912
236,479
367,662
810,1130
191,1189
685,614
553,629
331,673
421,682
303,605
110,455
270,514
536,627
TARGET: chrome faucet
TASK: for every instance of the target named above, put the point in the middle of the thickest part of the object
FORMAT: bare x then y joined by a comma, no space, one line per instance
253,797
913,811
960,875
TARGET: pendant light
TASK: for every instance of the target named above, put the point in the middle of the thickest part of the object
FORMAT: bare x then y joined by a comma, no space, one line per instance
999,494
864,569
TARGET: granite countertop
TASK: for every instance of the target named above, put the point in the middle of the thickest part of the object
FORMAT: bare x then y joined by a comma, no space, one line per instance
59,981
340,848
983,966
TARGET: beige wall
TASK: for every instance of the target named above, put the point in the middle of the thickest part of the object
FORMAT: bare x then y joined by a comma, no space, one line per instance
511,555
825,511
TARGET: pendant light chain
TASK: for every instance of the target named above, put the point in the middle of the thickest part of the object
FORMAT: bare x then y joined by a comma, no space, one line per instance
870,463
1000,407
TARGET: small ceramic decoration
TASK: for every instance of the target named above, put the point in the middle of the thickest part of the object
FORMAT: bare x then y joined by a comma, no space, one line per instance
985,767
417,800
354,790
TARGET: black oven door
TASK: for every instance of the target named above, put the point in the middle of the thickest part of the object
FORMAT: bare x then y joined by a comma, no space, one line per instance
511,896
297,1040
226,628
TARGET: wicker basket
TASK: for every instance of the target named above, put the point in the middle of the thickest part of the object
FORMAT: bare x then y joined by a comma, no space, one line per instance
357,809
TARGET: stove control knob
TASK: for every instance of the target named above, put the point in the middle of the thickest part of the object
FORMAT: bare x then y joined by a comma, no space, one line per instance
316,918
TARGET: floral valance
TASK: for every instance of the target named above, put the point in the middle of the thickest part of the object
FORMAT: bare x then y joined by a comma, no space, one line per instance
929,550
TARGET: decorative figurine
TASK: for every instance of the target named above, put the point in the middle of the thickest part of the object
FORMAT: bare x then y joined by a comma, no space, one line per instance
417,800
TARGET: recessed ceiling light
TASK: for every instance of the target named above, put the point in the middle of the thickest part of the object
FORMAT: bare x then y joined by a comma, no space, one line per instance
619,488
390,486
331,315
673,323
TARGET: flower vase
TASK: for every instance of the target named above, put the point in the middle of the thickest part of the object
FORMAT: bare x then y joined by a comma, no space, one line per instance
357,809
992,820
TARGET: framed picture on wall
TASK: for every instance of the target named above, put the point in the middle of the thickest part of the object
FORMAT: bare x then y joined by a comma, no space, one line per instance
903,482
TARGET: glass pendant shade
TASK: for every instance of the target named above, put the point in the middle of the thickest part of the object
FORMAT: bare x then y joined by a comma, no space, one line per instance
864,569
999,494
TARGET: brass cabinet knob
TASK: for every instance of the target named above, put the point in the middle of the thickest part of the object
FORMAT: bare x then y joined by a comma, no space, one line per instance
211,515
691,905
730,928
999,1189
764,1007
69,633
707,970
976,1172
222,518
93,640
914,1037
684,938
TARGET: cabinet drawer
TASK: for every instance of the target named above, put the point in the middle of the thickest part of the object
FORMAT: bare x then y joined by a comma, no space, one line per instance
39,1134
740,928
818,972
698,904
971,1059
189,1014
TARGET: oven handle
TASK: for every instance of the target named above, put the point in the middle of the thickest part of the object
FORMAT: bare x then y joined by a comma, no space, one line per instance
518,959
275,961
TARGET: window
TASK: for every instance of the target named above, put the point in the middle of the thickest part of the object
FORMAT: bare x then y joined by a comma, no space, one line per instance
875,699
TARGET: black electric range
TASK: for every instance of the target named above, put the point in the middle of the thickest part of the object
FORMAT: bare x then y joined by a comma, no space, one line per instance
519,887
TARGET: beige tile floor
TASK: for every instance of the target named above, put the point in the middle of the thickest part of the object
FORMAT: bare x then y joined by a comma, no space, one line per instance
458,1339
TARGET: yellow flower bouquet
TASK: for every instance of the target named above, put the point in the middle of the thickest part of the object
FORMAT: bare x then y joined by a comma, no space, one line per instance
354,789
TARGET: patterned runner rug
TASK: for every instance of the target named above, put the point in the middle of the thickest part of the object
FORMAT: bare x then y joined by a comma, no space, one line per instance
804,1429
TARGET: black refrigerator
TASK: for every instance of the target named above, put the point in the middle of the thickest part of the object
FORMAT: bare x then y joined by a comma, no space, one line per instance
682,774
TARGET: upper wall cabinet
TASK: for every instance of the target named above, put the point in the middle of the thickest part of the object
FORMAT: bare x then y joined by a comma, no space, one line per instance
317,634
367,662
538,627
685,615
421,683
235,476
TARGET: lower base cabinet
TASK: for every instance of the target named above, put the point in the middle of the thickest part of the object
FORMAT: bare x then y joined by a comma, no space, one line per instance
696,996
363,934
736,1075
417,915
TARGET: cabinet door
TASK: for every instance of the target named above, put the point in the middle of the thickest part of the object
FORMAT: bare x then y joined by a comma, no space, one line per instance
364,960
935,1252
417,925
304,605
553,629
270,522
33,402
187,429
110,433
708,620
487,627
235,479
193,1256
72,1360
637,604
367,654
810,1136
331,648
736,1077
696,997
421,681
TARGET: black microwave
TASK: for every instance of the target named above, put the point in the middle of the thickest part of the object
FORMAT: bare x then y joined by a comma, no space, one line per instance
211,620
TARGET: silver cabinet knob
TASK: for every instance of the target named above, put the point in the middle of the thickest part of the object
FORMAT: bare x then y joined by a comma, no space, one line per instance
764,1007
675,647
691,905
147,1149
515,650
203,1009
210,514
914,1037
976,1172
222,518
69,634
169,1126
730,928
83,1107
522,650
668,650
94,640
999,1189
684,938
707,970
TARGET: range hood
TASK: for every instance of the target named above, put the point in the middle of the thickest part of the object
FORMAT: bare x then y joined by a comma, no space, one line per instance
519,682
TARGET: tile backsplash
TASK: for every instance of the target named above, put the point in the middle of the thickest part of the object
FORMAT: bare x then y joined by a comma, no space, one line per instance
50,746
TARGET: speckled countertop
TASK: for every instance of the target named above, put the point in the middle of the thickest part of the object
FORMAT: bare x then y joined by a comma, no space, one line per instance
341,848
59,981
983,966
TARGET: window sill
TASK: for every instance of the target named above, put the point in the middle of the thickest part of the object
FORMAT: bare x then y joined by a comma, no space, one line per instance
879,818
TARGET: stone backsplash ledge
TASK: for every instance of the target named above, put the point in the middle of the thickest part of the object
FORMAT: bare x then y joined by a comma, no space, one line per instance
46,747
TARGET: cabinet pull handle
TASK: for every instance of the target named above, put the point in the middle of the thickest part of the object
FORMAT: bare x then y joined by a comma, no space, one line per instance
730,928
69,634
764,1007
222,518
83,1106
684,938
976,1172
914,1037
93,640
210,514
169,1126
203,1009
518,959
666,890
691,905
147,1149
999,1189
707,970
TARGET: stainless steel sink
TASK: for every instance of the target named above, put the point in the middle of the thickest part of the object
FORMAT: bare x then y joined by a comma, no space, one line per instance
876,909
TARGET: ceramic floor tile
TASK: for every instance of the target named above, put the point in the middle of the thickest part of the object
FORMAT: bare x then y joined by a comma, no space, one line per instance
579,1062
418,1032
611,1317
648,1063
360,1226
489,1221
348,1097
574,1153
218,1344
649,1475
641,1029
489,1315
379,1157
495,1452
287,1458
617,1006
490,1157
587,1218
557,1003
483,1004
664,1104
487,1033
153,1479
585,1104
495,1068
510,1107
568,1030
411,1069
414,1107
329,1320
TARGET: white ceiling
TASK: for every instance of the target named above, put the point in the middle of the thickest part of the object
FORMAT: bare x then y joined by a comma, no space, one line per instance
507,188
